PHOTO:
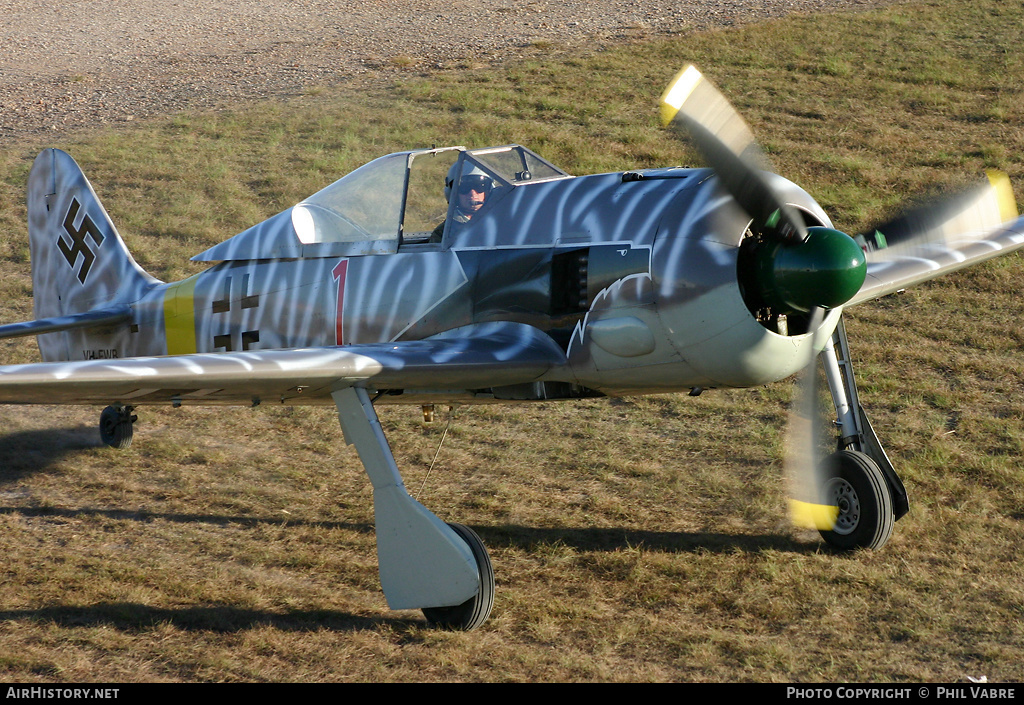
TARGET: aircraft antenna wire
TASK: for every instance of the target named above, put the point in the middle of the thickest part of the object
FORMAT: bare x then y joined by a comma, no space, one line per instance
444,434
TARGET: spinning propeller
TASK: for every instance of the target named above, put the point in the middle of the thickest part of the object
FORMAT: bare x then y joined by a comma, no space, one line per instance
932,224
692,104
796,269
804,271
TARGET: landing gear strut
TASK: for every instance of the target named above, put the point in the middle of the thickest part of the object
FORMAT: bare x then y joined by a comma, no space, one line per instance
116,426
870,495
442,569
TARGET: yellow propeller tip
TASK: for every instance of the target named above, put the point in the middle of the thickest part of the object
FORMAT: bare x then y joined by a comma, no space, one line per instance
807,515
679,89
1004,194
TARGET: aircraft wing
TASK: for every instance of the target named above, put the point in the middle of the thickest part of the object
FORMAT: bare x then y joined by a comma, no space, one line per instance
941,237
479,356
901,267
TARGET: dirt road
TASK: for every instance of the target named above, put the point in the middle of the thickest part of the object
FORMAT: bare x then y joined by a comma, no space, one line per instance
69,65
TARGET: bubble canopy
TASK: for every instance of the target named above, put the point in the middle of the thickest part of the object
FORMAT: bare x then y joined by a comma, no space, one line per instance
368,210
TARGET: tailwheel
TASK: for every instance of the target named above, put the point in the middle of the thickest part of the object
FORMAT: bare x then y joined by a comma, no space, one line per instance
116,426
474,611
857,486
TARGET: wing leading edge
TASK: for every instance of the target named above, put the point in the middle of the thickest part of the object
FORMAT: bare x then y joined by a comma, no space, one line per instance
890,272
941,237
474,357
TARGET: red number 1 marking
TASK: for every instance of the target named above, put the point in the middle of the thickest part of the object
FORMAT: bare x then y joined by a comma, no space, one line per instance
340,270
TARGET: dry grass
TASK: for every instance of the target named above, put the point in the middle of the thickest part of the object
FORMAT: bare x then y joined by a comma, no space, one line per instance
633,539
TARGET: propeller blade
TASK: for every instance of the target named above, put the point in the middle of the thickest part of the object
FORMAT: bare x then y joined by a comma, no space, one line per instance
694,106
806,471
938,222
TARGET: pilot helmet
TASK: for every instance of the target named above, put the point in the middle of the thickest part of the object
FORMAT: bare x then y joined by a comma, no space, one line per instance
476,179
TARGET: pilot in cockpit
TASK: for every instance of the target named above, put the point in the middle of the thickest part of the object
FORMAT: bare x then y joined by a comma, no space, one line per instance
471,195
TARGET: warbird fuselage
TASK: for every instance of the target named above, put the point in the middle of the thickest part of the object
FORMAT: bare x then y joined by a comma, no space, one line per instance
632,275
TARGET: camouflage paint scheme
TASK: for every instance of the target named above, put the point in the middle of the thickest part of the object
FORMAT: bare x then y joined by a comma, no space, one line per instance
632,276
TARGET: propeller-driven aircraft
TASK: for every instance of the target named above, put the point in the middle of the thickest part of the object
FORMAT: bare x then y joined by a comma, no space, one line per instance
527,283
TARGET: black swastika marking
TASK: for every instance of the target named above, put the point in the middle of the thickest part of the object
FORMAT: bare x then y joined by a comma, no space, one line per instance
78,244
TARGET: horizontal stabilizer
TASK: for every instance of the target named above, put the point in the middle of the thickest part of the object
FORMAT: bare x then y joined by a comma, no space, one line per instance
89,319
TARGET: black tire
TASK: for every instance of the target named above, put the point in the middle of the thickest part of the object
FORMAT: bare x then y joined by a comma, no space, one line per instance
116,427
474,611
858,487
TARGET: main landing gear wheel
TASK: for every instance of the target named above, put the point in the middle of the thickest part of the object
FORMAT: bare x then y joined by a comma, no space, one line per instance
474,611
858,488
116,426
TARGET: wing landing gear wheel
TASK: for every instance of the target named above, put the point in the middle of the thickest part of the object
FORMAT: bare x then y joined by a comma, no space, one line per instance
859,489
116,426
474,611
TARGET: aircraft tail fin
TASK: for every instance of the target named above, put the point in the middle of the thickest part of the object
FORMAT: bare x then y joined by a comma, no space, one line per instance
79,262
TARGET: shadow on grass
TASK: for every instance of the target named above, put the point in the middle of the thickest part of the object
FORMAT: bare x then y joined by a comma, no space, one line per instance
606,539
135,617
509,536
178,518
35,451
28,452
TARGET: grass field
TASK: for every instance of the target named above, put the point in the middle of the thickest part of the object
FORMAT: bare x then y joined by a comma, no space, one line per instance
637,539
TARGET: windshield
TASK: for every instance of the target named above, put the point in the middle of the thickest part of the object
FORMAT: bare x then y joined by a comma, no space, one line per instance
363,205
516,164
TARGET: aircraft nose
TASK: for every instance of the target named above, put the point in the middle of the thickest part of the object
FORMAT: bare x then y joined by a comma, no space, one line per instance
824,271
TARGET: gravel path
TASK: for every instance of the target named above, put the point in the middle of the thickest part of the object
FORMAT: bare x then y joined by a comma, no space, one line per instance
69,65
